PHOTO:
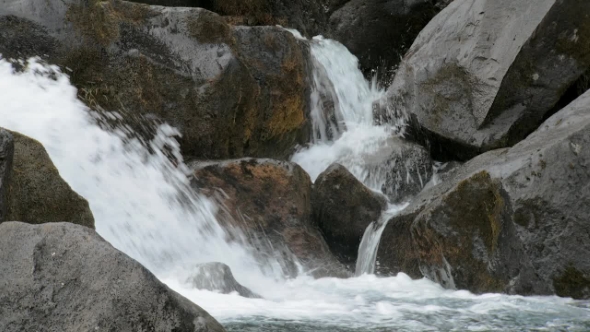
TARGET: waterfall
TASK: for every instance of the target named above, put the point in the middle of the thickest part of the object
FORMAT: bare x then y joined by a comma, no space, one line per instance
141,201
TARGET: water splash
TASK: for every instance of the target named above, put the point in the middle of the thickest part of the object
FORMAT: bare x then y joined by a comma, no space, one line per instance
142,201
367,254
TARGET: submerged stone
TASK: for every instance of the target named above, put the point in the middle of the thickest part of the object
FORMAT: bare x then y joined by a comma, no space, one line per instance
218,277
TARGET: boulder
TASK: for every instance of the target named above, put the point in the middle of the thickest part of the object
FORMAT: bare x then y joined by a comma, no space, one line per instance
484,74
218,277
65,277
380,32
343,208
512,220
36,193
269,201
6,158
184,66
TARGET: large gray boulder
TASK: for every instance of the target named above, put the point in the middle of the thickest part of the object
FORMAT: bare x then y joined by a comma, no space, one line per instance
64,277
223,87
343,208
380,32
483,74
512,220
218,277
270,202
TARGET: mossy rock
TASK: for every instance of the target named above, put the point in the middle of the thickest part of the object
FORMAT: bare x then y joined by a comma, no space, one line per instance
512,220
36,192
270,201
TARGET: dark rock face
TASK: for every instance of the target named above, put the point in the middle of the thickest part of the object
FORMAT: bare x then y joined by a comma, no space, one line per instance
270,202
184,66
21,38
343,208
64,277
484,74
512,220
306,16
6,158
380,32
466,239
407,167
218,277
36,193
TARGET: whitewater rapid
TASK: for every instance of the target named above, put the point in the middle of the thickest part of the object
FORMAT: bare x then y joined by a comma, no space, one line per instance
143,206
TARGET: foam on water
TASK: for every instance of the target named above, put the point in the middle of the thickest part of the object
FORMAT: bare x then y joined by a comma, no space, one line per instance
368,303
143,206
142,203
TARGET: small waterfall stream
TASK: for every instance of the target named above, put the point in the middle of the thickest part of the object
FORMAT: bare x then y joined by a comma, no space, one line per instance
345,132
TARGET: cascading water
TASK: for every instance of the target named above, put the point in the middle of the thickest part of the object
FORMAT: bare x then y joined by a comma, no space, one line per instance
143,206
345,132
142,203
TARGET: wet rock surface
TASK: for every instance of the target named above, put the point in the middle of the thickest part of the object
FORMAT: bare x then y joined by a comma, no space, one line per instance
484,74
222,87
218,277
64,277
269,201
511,220
308,17
343,208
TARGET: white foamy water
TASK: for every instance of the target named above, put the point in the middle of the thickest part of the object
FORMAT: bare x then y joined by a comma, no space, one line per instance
367,253
348,115
142,205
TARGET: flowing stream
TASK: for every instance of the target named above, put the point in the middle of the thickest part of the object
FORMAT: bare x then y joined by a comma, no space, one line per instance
143,205
345,132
